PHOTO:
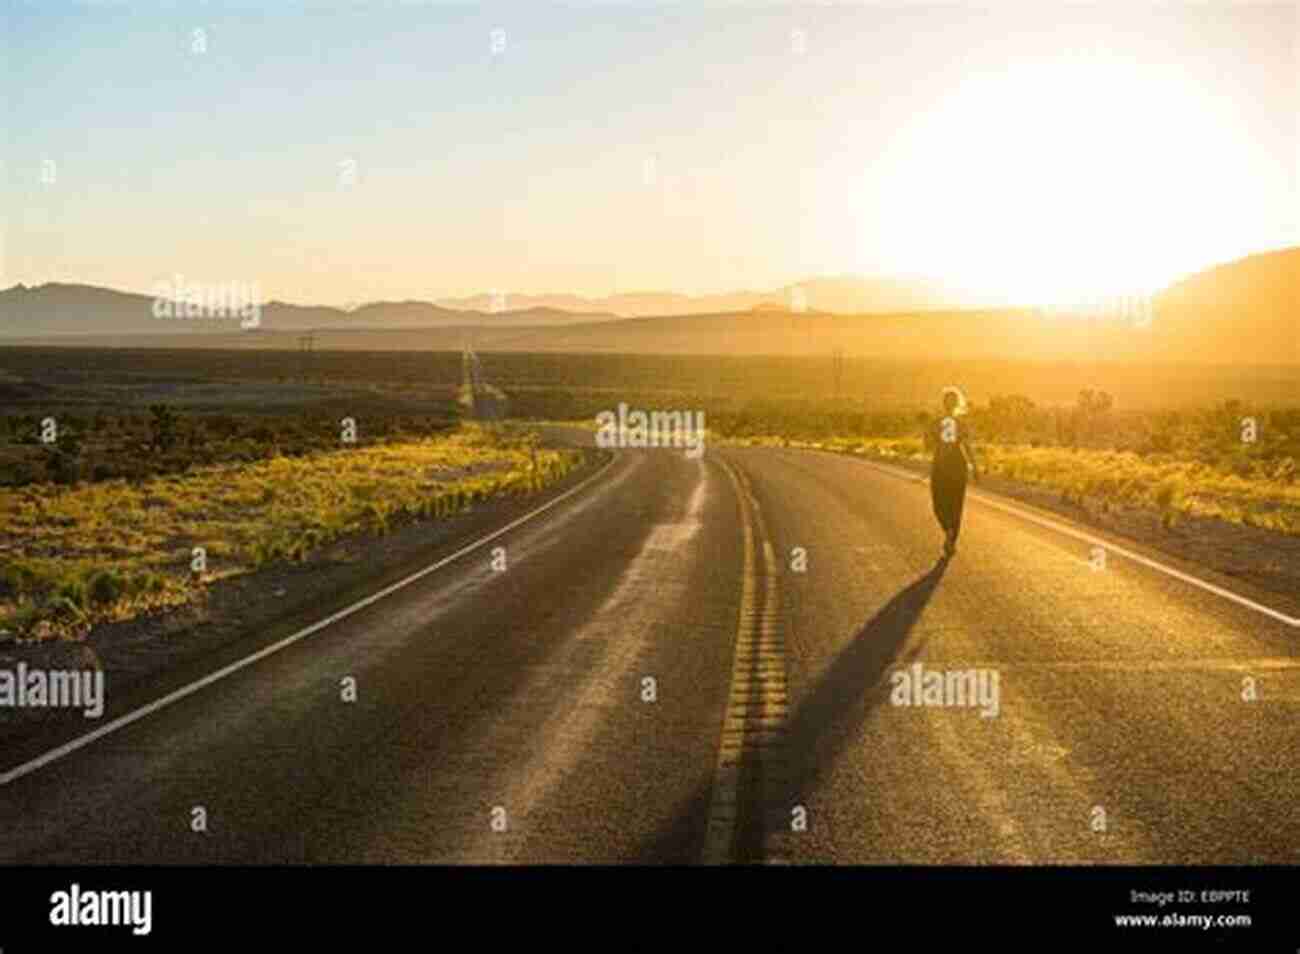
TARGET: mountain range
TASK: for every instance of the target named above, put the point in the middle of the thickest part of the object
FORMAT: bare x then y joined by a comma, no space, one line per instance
841,295
1242,312
69,309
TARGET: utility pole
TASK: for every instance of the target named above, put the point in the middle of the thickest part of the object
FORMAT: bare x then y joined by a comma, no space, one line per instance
306,344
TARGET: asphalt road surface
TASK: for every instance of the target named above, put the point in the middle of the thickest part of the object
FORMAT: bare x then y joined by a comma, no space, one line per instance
701,660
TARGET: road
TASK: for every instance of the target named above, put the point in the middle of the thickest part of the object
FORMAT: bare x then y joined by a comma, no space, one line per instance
693,660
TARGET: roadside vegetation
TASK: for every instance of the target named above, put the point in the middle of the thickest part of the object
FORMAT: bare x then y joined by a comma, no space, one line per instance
1233,462
159,452
79,553
1173,487
67,446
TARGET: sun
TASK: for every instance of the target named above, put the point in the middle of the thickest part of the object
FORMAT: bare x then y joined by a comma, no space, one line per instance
1060,181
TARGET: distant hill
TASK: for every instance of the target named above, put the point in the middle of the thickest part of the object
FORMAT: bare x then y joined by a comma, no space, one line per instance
57,309
844,295
1264,283
1239,311
1243,312
69,309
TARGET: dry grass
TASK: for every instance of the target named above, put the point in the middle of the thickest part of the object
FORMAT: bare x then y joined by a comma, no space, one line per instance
72,556
1172,485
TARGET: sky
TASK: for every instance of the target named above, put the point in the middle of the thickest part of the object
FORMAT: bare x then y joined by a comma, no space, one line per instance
345,152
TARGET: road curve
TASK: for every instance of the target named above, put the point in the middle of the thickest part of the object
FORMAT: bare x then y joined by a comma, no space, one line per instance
578,697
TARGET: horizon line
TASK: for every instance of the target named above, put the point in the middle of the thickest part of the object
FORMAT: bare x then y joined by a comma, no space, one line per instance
971,302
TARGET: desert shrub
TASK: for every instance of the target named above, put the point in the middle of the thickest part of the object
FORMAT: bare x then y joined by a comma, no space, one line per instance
106,587
73,589
63,468
162,427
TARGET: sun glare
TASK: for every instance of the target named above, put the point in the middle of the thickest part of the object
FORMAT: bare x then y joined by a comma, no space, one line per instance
1063,181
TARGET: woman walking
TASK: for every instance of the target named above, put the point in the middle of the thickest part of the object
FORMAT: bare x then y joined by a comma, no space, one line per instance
953,458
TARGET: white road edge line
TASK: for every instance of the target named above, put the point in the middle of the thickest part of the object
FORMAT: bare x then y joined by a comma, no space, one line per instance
1109,547
53,755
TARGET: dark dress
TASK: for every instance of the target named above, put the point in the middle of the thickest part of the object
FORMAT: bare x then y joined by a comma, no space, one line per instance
948,474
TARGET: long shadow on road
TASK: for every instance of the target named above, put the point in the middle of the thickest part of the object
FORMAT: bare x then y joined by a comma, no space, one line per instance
853,685
828,718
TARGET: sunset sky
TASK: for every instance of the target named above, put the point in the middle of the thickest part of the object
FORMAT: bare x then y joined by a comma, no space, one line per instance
1035,153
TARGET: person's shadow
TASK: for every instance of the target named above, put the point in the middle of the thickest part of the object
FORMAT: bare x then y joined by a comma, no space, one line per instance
855,683
828,719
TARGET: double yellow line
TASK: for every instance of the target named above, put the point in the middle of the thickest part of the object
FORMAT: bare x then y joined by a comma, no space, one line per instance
749,779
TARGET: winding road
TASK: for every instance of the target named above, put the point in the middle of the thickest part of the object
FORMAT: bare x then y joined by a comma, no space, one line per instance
698,660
